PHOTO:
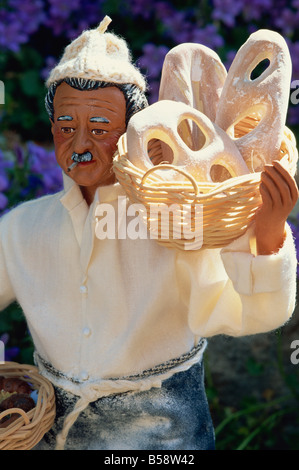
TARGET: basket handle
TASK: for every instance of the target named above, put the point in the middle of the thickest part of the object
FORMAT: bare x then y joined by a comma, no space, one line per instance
11,411
172,167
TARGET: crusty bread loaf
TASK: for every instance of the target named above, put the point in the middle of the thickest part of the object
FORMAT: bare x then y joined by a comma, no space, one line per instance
264,98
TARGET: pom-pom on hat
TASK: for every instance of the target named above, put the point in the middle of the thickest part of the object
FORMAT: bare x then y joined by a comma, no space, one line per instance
97,55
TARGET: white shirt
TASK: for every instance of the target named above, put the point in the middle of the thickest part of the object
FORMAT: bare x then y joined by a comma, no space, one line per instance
111,308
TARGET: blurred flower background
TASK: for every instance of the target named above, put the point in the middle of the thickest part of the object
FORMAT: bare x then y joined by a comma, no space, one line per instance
33,34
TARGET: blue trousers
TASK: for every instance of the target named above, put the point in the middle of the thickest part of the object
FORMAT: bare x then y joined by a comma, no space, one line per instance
173,417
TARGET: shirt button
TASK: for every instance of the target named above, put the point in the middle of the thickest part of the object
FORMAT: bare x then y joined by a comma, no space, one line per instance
86,331
83,289
84,375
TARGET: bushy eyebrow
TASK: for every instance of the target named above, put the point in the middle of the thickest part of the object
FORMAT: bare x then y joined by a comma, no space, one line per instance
99,119
93,119
65,118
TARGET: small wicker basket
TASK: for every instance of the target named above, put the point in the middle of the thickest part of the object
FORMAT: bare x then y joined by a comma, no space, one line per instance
26,431
227,208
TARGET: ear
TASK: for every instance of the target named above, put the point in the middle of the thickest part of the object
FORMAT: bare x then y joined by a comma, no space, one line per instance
52,126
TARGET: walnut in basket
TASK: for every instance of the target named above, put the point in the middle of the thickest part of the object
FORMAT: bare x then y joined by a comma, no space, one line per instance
15,400
14,384
14,393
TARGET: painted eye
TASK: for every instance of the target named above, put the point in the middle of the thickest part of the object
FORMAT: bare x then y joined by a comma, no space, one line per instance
98,131
67,130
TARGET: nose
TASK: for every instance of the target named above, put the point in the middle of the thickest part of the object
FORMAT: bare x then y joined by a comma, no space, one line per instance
82,141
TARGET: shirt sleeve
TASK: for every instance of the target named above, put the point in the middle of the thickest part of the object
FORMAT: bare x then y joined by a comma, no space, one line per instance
237,293
7,295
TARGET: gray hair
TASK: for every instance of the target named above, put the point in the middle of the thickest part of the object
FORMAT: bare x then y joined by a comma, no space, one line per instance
135,98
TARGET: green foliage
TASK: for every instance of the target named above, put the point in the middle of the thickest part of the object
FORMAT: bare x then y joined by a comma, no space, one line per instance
13,324
253,423
250,424
24,112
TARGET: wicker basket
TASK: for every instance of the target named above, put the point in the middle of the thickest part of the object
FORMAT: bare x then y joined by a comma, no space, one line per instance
227,207
26,431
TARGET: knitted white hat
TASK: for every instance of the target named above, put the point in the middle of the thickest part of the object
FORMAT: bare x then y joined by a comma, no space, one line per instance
97,55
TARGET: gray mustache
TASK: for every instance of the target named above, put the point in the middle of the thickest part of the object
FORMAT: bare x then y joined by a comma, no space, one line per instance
81,157
78,158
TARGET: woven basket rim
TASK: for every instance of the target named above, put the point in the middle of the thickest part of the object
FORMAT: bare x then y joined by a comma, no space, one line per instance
238,196
290,158
22,435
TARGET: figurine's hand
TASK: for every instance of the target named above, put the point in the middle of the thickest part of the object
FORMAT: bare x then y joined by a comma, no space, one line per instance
279,193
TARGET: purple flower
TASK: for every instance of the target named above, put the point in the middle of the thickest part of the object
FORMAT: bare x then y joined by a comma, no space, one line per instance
11,34
182,27
62,9
230,55
177,27
50,63
141,8
294,51
227,10
43,163
88,14
20,156
71,18
287,21
293,115
59,15
18,21
294,225
3,201
30,13
152,62
4,180
152,59
76,30
9,353
257,8
4,183
4,162
154,87
163,10
208,36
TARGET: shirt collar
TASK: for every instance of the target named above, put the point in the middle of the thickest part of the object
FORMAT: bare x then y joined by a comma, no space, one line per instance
72,195
109,193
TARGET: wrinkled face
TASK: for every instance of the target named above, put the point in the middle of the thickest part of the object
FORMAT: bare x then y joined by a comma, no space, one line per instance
88,121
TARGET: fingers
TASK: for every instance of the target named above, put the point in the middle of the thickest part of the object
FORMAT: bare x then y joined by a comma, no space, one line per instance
270,188
278,187
279,194
288,178
266,196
